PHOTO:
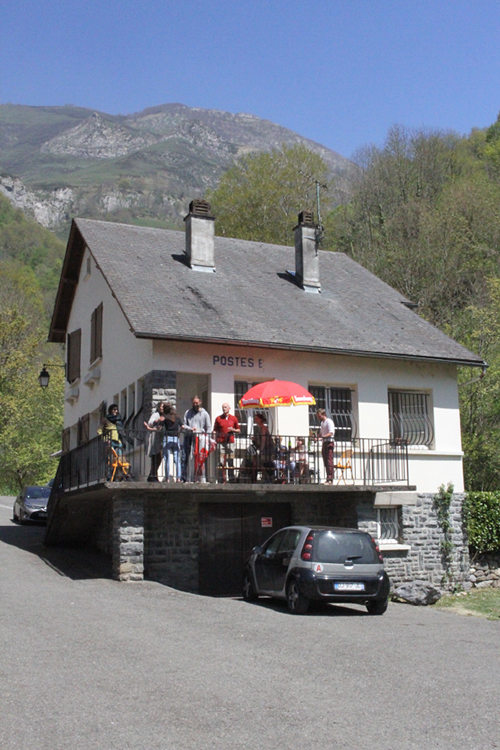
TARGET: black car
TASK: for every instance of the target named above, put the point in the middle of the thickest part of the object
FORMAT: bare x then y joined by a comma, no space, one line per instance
31,504
304,563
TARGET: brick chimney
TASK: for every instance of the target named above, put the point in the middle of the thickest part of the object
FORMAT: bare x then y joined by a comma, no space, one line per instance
306,253
200,236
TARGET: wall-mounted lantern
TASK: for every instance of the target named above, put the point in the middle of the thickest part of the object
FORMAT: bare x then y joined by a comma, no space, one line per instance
44,376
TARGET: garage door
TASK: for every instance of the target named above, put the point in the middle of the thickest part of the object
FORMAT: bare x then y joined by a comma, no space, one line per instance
228,532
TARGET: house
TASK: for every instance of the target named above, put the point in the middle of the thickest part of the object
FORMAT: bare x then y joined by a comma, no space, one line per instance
150,314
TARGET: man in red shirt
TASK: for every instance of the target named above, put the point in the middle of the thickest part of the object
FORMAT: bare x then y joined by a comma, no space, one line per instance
226,426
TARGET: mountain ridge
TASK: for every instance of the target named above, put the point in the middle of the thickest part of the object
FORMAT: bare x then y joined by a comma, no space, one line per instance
56,162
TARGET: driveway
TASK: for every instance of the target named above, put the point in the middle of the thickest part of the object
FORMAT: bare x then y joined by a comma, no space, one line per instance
91,663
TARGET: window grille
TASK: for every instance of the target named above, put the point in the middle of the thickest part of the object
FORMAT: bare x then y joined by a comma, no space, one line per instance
388,528
409,419
337,403
74,342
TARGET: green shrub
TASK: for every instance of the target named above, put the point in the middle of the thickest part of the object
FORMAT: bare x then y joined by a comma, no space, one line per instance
482,516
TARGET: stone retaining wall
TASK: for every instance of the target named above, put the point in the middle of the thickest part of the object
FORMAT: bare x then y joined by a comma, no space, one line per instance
485,571
420,532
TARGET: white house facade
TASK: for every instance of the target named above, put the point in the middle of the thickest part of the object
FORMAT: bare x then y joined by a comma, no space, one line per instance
150,315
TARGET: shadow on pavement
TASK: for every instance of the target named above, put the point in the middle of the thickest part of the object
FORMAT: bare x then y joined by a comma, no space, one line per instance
316,609
77,563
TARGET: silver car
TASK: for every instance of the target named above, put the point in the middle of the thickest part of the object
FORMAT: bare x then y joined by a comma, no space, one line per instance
31,504
301,564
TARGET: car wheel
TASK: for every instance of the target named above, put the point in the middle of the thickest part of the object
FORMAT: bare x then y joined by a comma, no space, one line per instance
249,594
377,607
298,604
15,517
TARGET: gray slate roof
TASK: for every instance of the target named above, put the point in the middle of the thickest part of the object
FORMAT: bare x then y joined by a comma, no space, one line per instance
250,299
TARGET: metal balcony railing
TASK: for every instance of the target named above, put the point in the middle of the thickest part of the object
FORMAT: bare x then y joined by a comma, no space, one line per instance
249,460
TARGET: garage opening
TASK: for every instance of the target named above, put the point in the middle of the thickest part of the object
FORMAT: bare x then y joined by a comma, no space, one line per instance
228,532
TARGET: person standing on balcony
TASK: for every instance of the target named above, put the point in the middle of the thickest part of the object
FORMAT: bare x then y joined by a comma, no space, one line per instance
110,428
196,421
226,426
171,444
327,435
155,427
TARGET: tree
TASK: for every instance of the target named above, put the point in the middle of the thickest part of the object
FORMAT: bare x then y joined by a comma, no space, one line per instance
260,197
424,216
30,420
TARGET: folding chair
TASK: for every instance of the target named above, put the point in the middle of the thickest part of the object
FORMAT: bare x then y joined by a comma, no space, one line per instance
119,462
344,465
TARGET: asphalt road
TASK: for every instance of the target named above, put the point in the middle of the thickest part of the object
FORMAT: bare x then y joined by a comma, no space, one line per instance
88,663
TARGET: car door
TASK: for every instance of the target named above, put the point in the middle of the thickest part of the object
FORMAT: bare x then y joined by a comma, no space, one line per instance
282,557
265,562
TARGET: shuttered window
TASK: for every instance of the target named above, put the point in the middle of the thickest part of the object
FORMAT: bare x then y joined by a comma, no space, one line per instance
83,429
74,345
96,334
66,440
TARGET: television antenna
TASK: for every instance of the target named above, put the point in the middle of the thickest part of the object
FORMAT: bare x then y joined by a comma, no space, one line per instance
320,229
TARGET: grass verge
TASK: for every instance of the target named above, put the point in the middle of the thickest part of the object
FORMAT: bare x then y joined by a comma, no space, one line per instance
477,602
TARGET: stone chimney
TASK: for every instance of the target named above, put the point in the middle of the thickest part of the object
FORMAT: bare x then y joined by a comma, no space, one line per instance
200,236
306,253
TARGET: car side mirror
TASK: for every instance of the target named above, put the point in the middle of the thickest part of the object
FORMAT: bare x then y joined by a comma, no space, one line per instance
257,550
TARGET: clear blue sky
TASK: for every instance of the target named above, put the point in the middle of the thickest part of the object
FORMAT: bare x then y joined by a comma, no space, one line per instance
338,71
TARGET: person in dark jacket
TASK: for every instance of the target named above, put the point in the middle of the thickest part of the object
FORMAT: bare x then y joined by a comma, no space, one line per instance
171,445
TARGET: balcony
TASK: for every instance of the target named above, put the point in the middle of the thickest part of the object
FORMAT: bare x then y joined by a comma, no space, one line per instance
283,460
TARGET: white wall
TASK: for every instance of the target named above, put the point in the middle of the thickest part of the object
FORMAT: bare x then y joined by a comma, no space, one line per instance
125,359
213,368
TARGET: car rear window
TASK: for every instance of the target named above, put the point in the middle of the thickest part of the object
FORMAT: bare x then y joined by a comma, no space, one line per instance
331,547
36,493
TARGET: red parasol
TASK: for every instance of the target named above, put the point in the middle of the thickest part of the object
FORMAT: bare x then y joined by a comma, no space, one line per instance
276,393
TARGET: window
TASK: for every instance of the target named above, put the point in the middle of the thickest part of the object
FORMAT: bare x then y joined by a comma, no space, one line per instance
74,343
338,405
388,525
66,434
409,420
245,416
96,334
83,429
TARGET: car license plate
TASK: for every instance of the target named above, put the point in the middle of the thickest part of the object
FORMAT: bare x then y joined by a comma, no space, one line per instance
348,586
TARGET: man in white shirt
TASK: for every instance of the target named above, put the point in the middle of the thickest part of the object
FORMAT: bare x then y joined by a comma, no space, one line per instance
327,434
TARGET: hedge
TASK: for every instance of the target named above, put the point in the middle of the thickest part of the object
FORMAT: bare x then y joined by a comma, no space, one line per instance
482,515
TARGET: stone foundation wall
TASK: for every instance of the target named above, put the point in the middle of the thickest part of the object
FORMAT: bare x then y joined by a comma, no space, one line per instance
485,571
420,531
171,542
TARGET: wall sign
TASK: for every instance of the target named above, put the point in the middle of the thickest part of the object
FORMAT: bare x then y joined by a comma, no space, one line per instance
223,361
265,522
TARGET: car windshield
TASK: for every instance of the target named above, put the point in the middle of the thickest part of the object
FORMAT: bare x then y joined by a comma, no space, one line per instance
37,493
332,547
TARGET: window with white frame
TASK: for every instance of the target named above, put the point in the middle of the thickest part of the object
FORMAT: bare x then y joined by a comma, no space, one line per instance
388,525
337,403
410,420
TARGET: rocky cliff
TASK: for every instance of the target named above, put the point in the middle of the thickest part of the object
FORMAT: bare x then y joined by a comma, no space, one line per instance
56,162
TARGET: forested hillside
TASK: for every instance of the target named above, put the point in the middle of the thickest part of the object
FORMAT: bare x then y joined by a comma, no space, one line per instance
30,418
424,215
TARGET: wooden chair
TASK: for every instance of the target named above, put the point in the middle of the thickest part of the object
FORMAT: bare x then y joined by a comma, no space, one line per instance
344,465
